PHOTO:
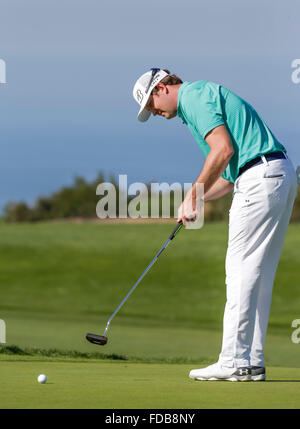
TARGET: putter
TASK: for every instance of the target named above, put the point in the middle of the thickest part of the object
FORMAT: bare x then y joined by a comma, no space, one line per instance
101,340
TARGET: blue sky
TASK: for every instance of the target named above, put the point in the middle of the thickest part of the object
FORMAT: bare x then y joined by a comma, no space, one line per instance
67,107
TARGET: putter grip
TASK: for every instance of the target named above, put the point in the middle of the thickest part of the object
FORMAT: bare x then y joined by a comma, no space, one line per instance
177,229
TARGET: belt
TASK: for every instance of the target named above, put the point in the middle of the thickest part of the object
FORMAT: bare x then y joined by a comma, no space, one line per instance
258,160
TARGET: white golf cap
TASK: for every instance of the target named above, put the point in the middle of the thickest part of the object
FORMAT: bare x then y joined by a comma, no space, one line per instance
142,90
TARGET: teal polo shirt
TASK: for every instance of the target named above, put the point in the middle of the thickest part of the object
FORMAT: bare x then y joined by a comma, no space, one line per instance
204,105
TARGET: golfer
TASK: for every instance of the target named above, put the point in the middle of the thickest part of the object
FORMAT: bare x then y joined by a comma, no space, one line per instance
243,156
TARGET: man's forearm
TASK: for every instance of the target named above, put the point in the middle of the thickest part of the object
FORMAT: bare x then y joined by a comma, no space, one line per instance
220,188
214,166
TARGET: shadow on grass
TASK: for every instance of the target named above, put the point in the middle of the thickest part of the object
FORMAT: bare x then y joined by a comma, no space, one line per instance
55,353
282,381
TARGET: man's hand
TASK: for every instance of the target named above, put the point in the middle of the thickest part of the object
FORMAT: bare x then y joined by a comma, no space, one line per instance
217,160
188,209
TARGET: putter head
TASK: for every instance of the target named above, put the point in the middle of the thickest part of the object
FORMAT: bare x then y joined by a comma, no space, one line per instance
100,340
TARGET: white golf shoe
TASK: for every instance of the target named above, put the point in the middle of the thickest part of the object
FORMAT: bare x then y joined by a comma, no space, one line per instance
217,372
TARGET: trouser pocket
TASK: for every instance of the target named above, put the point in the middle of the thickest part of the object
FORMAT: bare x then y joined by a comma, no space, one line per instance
272,176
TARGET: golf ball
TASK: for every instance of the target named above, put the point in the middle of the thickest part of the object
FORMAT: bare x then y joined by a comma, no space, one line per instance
42,378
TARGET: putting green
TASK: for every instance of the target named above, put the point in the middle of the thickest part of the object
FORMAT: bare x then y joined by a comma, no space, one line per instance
129,385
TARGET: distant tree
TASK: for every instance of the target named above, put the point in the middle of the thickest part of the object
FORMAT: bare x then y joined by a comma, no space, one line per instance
77,200
17,212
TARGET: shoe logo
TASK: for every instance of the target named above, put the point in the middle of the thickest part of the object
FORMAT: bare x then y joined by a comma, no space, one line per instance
244,371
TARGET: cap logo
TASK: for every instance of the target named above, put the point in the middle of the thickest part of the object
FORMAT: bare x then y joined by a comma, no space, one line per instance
139,96
156,80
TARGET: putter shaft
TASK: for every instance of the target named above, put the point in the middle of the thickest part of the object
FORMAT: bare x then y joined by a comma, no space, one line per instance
176,230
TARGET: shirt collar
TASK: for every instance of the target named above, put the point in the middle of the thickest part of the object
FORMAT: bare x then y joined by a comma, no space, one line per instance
179,108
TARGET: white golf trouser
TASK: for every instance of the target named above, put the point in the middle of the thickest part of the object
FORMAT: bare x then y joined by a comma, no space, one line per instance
258,219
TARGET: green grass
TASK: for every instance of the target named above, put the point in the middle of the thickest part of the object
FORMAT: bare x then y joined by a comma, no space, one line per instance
94,384
61,280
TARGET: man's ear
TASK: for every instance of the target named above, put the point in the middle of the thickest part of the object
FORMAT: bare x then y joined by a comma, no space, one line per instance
161,87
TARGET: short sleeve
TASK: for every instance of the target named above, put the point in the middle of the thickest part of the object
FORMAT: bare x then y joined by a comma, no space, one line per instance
206,110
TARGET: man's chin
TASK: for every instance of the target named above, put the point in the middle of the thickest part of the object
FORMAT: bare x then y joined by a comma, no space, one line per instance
170,115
